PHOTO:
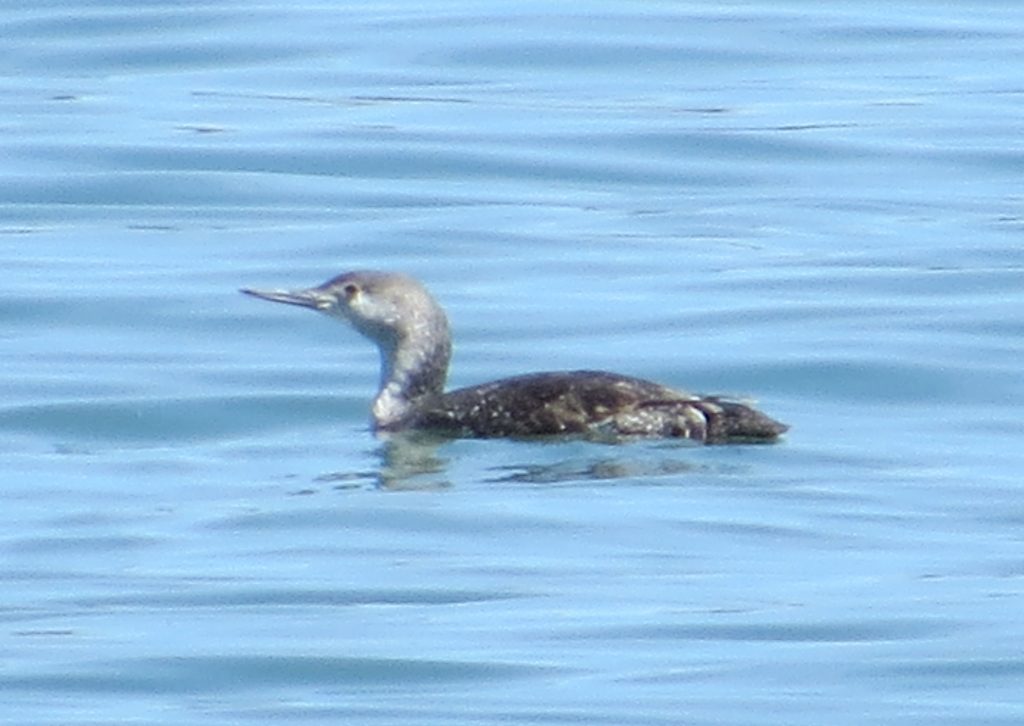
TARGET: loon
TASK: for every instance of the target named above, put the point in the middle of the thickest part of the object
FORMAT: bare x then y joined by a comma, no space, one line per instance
411,330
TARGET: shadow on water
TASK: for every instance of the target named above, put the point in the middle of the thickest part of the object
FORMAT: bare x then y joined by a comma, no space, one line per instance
407,462
412,461
421,461
591,470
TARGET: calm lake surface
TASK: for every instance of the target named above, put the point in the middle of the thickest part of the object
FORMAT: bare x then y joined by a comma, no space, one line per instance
819,205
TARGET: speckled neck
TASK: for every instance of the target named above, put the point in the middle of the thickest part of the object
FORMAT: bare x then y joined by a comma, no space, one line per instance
412,367
412,334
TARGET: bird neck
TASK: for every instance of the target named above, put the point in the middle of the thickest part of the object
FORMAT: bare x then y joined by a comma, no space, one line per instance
413,366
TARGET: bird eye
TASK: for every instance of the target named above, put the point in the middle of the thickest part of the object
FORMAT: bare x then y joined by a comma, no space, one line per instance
351,290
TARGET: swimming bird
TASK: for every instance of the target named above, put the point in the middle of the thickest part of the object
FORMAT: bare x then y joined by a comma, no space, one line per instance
411,330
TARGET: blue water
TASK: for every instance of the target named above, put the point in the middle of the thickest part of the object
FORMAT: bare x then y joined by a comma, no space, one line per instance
817,204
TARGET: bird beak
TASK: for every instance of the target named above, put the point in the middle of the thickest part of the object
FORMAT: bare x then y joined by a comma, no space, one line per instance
313,299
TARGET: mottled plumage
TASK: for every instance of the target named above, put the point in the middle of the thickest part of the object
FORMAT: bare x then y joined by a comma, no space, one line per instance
411,330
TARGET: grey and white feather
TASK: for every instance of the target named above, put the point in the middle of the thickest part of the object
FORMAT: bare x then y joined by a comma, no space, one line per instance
411,331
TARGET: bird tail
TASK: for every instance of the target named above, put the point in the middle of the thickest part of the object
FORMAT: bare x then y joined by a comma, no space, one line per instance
730,422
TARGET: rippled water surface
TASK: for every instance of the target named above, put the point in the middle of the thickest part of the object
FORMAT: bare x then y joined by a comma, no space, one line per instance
815,204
